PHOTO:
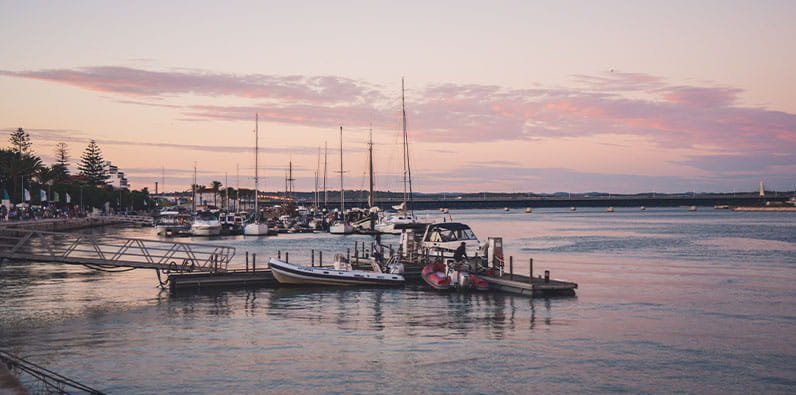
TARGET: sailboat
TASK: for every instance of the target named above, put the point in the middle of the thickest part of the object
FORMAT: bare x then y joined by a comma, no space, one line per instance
394,223
341,226
257,227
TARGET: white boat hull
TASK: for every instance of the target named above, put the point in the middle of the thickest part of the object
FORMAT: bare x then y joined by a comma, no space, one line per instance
205,230
341,228
255,229
287,273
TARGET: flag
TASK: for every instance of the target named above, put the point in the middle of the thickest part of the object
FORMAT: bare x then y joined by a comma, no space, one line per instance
56,197
68,198
43,195
27,195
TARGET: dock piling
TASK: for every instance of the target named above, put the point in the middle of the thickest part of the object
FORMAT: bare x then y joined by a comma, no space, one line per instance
320,258
511,268
312,257
247,261
287,257
530,270
254,264
547,276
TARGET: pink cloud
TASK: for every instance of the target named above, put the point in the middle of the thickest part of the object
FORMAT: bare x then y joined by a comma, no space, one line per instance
617,103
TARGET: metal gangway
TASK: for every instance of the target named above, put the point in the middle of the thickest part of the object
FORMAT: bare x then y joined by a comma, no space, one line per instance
108,252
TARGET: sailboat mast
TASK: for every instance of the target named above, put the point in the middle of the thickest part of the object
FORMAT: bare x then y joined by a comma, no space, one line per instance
342,190
325,161
371,198
407,166
256,166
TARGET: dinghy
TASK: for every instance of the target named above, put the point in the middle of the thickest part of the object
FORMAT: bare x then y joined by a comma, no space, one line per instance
444,277
341,274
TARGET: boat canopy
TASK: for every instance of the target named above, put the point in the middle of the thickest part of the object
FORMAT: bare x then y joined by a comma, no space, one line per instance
450,231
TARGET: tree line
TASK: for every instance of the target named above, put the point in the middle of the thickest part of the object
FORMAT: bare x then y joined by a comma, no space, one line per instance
24,177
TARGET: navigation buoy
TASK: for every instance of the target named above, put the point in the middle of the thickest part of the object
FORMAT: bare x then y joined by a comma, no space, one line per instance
643,208
573,208
610,209
692,208
505,209
528,210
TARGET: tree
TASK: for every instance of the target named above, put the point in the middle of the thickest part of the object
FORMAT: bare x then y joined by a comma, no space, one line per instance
61,166
216,185
92,165
20,142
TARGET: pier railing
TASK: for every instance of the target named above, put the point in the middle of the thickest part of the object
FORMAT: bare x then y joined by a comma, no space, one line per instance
110,252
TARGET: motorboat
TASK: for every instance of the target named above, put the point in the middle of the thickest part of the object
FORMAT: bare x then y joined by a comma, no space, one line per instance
341,227
446,277
205,223
394,224
340,274
255,229
442,239
231,224
173,223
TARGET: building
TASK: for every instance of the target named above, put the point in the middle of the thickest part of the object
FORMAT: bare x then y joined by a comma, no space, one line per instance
117,179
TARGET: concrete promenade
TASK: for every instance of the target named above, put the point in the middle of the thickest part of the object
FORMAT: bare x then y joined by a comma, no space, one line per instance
61,224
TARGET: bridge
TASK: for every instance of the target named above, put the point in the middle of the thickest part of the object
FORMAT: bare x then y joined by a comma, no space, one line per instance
106,252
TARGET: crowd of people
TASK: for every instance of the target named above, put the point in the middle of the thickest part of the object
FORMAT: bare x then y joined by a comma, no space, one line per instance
33,214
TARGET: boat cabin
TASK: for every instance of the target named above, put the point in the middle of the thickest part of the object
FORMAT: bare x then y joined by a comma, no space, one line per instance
445,237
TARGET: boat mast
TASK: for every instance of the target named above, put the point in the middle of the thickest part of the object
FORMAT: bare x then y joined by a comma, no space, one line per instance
407,167
371,198
342,191
256,167
325,160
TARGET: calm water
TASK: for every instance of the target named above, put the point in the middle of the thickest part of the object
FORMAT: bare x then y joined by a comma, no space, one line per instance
668,301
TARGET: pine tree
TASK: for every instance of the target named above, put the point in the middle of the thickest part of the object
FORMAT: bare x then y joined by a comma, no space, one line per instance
92,166
61,166
20,142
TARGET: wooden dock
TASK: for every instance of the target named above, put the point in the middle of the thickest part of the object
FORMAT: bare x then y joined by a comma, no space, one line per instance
228,279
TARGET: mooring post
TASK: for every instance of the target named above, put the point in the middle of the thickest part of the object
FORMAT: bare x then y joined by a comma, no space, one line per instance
254,264
320,258
287,257
356,252
348,254
530,273
279,254
312,257
511,268
247,261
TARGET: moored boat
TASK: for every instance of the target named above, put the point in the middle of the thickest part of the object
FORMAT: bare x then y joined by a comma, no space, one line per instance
444,277
288,273
205,224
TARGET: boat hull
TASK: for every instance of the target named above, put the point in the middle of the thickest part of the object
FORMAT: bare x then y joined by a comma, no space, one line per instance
341,228
256,229
287,273
206,230
436,276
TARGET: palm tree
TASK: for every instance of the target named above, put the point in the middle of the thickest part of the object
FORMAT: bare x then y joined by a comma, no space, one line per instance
216,185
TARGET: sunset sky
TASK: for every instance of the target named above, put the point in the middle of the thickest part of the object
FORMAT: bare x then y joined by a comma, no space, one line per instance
513,96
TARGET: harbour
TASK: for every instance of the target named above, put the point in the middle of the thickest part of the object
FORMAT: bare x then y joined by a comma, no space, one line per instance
636,295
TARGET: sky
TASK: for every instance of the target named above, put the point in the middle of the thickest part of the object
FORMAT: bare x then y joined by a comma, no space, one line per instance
500,96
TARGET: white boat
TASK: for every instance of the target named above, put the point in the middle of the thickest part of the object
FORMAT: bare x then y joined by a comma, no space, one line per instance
206,223
173,223
340,227
393,224
257,227
442,239
288,273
